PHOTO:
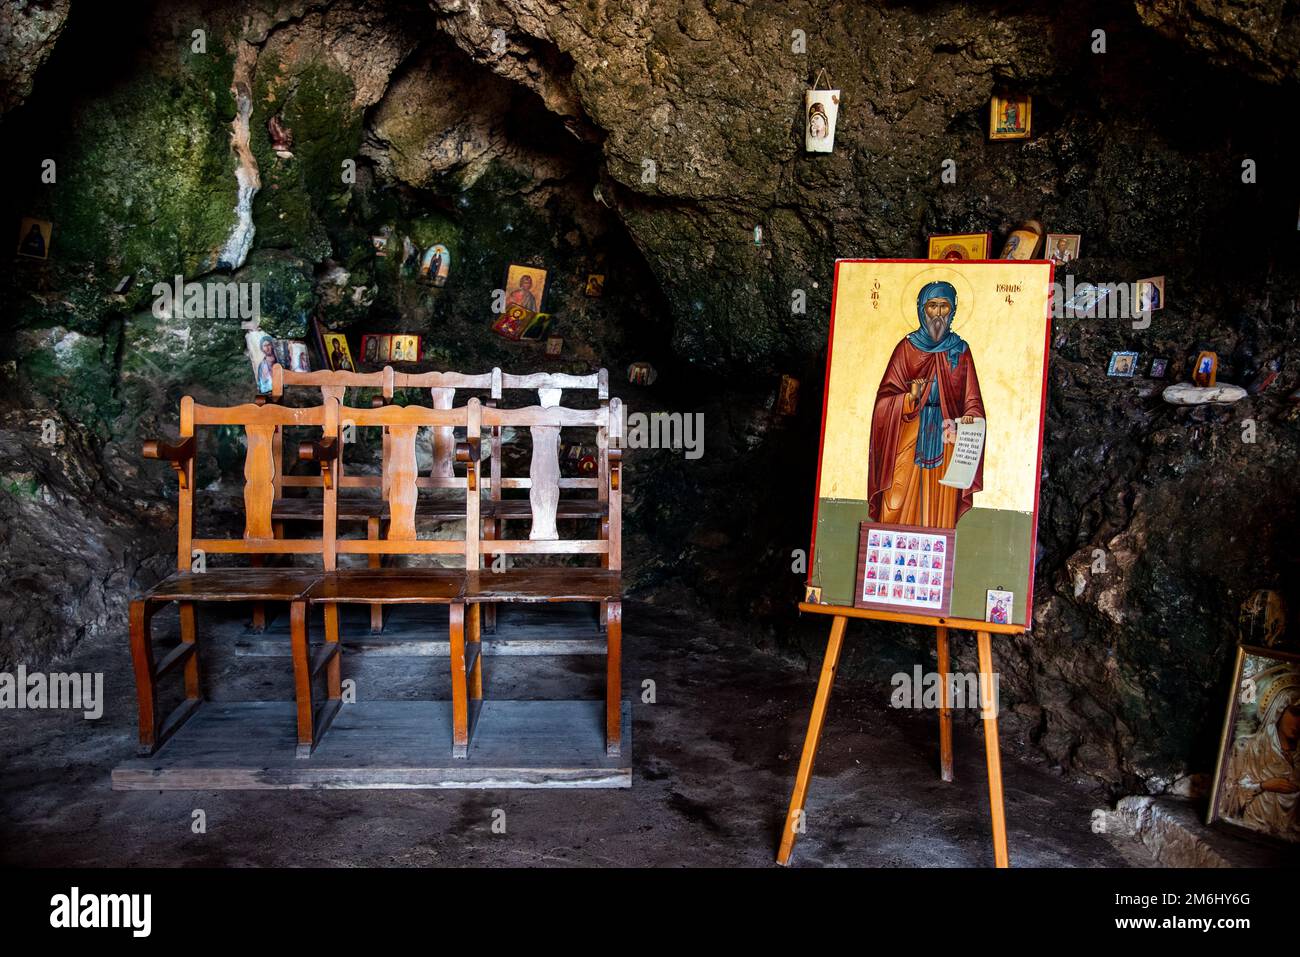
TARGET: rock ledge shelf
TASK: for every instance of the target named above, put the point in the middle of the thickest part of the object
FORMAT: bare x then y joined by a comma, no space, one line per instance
1184,393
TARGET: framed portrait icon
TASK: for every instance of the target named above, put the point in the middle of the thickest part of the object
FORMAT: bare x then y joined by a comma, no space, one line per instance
936,378
1255,784
1009,117
960,246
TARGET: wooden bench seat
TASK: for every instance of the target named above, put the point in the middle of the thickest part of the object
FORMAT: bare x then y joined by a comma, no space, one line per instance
528,585
235,584
389,586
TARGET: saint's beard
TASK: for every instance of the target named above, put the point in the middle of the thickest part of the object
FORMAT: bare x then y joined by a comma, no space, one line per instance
937,328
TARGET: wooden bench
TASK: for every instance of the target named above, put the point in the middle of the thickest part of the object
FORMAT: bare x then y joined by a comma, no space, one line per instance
405,586
603,586
187,588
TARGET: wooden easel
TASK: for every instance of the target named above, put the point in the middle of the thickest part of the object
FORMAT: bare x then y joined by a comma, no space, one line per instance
984,631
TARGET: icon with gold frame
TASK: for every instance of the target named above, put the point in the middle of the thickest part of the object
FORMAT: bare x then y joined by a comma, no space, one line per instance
1256,774
960,246
1009,116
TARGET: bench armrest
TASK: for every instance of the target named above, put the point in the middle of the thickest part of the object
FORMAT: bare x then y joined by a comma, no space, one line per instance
169,451
319,450
179,454
469,452
615,469
325,452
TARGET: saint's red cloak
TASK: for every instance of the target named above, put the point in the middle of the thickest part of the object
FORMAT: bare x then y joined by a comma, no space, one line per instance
959,395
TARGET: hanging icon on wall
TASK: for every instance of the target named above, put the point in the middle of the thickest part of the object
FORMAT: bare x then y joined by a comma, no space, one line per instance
821,110
436,264
34,238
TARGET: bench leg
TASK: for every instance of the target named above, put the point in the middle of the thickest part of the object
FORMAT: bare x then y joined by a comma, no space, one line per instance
491,532
614,680
334,670
189,636
375,561
145,685
459,695
258,621
301,677
474,638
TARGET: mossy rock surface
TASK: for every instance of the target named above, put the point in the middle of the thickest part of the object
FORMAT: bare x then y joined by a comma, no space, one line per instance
147,185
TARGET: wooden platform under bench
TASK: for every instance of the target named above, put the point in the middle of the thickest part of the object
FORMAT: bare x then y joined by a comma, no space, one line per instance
387,744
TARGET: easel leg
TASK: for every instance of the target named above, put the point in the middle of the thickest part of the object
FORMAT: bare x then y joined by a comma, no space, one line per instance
945,707
991,753
799,797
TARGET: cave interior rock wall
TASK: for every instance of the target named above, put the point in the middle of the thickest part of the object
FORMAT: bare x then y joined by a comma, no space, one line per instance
647,141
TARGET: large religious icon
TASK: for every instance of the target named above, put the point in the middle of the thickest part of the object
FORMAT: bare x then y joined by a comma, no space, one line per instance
960,246
1009,117
1257,780
933,423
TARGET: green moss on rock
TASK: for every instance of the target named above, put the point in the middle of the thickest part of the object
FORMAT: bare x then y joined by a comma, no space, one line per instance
301,195
148,183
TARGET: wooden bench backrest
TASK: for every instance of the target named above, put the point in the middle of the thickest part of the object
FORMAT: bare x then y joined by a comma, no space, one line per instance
332,385
550,387
261,425
544,424
442,388
401,425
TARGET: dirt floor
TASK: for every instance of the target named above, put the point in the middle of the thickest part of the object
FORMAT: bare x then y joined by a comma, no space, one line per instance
713,762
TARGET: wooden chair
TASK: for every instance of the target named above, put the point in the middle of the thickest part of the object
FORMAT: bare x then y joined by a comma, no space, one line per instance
573,504
354,507
561,584
415,585
187,588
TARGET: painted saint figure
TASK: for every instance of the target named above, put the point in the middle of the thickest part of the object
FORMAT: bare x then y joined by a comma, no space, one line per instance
1263,770
264,367
33,243
929,385
523,296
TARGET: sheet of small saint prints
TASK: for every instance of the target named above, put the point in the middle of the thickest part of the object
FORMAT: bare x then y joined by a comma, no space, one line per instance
905,569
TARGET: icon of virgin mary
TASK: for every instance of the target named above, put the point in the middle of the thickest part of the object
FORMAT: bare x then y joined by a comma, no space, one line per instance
1264,768
929,385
